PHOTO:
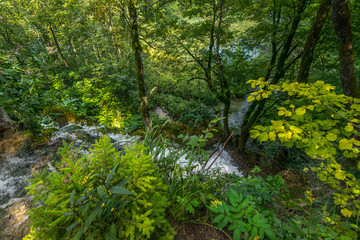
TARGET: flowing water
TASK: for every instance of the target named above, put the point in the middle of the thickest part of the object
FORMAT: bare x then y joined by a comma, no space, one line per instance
16,168
238,107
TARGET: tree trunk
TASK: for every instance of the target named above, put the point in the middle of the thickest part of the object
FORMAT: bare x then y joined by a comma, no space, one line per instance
136,47
342,26
58,46
226,117
256,108
312,38
225,91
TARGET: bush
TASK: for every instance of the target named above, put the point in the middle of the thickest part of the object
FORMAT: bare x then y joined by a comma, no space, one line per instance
100,195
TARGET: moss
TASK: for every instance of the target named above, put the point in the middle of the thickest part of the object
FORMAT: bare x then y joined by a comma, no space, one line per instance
48,131
173,129
62,115
38,140
138,132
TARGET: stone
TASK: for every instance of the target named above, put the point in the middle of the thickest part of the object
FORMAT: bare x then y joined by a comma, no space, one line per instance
14,225
5,120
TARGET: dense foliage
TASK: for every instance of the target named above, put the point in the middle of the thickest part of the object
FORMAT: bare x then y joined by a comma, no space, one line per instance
166,69
100,195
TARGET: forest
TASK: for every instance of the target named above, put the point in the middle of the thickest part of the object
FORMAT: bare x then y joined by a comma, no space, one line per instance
188,119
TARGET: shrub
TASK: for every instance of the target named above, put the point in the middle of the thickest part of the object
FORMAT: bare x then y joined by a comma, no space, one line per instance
326,126
100,195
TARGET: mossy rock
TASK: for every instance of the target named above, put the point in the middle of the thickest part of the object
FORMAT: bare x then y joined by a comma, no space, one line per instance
173,130
39,140
138,132
16,142
62,115
49,131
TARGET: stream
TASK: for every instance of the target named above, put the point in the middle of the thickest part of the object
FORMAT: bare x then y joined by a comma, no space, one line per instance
17,166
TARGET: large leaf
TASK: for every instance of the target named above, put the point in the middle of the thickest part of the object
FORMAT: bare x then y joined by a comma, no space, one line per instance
120,190
72,226
93,215
111,175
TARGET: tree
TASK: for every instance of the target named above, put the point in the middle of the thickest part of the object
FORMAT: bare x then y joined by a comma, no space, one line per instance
136,47
256,109
312,39
203,34
342,26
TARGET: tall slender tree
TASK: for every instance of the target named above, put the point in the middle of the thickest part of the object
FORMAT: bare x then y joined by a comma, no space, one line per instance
136,47
342,26
312,39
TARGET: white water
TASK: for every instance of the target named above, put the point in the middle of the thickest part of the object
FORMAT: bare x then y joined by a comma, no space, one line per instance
14,170
238,107
13,173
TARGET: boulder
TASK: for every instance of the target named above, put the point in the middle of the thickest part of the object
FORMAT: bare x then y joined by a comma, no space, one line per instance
5,120
14,225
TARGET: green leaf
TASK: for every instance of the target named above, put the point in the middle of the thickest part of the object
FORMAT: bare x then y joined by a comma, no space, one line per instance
120,190
237,234
250,98
72,198
223,222
110,176
345,144
349,128
254,133
263,137
209,135
254,231
270,234
214,209
300,111
68,214
93,234
72,226
101,192
218,218
331,137
109,236
79,233
340,175
92,216
261,233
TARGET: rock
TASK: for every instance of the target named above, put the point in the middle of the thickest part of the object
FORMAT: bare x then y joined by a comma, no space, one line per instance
5,122
162,113
14,142
14,225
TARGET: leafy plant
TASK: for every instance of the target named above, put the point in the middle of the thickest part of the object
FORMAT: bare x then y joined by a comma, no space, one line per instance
190,189
323,123
245,219
259,190
100,195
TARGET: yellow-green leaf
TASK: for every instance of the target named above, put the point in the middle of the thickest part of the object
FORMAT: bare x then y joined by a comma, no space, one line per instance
263,137
300,111
347,213
250,98
310,107
345,144
340,175
272,136
349,128
254,133
265,95
331,137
